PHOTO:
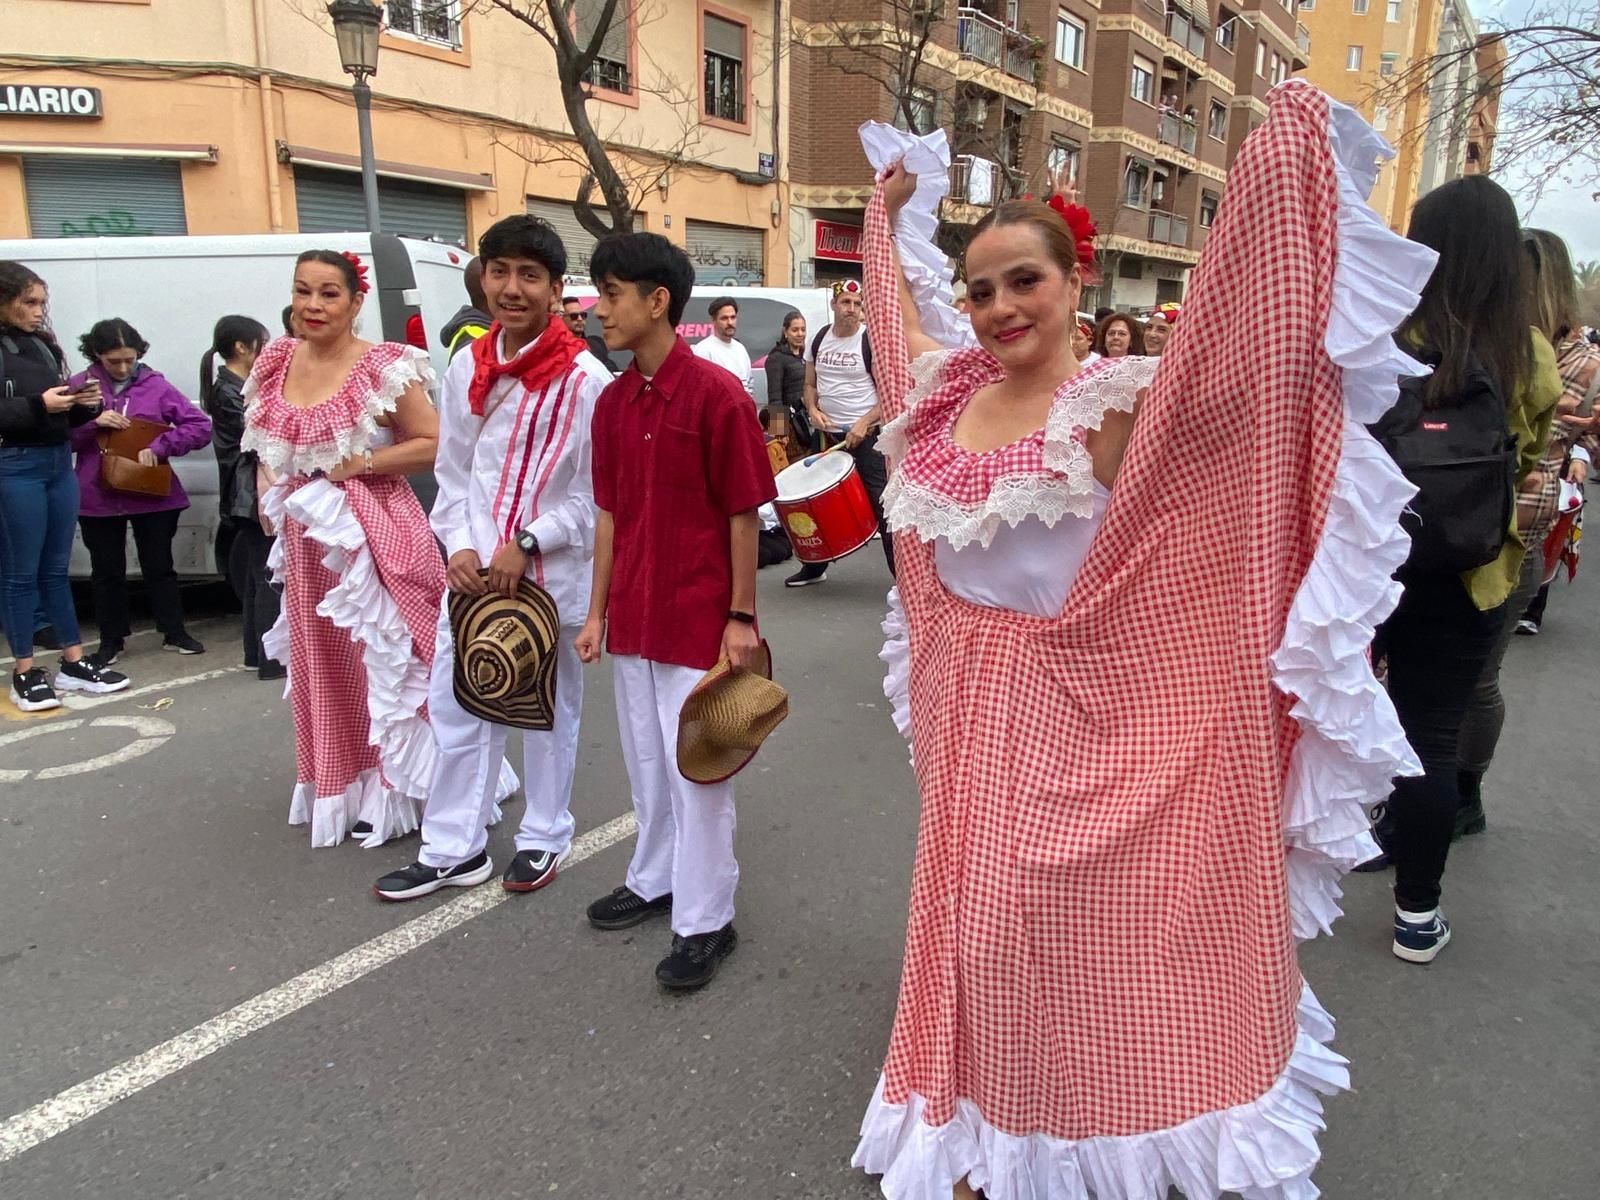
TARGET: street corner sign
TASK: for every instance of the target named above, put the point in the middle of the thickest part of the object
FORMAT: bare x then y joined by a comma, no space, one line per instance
835,240
49,100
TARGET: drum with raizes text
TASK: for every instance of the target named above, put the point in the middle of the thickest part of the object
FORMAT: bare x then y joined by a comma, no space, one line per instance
824,507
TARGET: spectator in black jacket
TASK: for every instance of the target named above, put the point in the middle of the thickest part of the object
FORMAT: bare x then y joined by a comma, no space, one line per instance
237,340
786,377
39,495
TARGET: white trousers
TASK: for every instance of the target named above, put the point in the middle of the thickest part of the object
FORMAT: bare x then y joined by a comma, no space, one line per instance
462,799
685,829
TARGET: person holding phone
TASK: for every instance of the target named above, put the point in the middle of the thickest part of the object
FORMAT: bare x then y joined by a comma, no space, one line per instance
133,395
38,499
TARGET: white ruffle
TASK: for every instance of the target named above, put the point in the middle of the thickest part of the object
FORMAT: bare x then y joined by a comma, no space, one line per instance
896,656
290,458
1351,745
926,369
927,269
1082,403
1264,1149
1012,499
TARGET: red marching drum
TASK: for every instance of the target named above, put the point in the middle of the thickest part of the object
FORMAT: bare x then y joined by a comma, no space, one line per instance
824,507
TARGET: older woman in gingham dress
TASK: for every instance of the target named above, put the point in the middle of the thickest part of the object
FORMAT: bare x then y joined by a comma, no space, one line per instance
1143,723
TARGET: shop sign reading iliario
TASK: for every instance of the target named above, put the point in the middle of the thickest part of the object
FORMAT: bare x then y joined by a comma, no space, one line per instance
48,100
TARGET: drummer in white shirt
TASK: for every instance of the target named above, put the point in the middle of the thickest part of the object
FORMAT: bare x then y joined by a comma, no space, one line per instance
722,347
843,406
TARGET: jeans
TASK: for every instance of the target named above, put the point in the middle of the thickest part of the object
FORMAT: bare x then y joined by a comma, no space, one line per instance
107,542
1436,643
1486,715
874,472
38,505
252,583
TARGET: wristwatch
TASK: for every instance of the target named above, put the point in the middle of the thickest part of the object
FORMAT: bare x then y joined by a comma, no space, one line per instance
743,618
527,543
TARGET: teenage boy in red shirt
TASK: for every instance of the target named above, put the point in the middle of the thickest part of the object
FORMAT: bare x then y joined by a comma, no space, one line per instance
679,472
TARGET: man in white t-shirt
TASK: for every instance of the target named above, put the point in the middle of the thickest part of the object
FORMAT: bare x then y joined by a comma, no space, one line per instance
843,406
722,347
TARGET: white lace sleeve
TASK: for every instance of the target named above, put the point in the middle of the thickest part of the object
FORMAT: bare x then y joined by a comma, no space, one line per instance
926,371
1083,402
413,366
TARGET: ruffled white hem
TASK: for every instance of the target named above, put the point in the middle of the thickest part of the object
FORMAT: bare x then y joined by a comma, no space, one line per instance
1350,748
1265,1149
397,681
896,657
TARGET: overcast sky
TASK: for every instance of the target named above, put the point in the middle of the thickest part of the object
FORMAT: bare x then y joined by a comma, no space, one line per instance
1564,208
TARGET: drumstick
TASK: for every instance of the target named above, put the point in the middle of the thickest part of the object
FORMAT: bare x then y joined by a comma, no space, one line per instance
813,458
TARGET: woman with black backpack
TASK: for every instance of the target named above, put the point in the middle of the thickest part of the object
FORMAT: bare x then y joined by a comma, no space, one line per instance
1466,435
38,495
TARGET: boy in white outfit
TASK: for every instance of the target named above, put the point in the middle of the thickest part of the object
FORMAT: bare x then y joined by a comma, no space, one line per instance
515,497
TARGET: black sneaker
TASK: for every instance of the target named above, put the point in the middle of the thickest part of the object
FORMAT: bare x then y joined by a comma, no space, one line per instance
31,691
531,870
625,908
1470,819
86,675
694,960
807,575
1420,942
421,880
361,829
110,650
272,669
183,644
1383,834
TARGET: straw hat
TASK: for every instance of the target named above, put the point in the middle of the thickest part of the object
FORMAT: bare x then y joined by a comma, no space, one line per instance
505,668
727,717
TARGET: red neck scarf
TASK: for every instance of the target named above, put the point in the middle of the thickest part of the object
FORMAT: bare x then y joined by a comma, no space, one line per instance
547,358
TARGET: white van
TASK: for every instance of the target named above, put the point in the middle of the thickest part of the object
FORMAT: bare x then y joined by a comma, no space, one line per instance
173,289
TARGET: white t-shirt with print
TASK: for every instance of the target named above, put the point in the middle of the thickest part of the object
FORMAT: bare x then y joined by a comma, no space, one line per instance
844,388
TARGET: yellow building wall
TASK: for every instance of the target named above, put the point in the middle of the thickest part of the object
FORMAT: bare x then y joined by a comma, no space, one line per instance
492,108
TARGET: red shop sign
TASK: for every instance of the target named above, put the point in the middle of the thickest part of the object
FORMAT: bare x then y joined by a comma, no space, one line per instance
833,240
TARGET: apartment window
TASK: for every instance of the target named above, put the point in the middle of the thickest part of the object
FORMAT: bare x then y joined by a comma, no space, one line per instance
427,20
1380,117
1393,14
1062,157
724,43
1217,122
1387,63
1208,208
1071,34
1352,58
1227,28
1359,7
1144,80
924,105
1261,59
1135,183
1280,68
1012,119
1307,5
610,68
1158,188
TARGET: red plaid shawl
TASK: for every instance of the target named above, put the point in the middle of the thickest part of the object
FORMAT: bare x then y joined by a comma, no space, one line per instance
1099,939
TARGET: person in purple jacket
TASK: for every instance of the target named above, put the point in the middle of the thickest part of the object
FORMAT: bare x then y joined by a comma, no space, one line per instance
132,390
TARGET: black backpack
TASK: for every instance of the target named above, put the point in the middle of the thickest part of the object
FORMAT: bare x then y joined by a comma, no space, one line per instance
866,346
1463,460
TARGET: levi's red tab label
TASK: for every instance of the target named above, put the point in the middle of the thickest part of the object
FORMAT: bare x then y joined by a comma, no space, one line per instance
1436,426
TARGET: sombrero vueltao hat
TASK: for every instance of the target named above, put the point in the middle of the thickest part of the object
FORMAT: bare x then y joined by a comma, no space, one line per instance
505,661
726,718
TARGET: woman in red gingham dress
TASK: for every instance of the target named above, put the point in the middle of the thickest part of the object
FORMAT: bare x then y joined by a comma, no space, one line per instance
1142,719
339,423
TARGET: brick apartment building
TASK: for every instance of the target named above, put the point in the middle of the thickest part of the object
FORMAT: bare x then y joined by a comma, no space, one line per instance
1147,100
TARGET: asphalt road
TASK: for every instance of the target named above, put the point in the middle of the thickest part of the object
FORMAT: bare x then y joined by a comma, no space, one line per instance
520,1053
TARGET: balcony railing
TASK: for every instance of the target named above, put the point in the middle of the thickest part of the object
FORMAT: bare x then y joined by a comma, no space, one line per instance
430,20
986,39
974,180
1169,229
1176,130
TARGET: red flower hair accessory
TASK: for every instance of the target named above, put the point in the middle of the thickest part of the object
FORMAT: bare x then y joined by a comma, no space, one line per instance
1082,225
362,285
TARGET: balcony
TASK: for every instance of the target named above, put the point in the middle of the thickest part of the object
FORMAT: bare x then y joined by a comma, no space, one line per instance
1302,38
1169,229
1177,130
974,180
1188,33
986,39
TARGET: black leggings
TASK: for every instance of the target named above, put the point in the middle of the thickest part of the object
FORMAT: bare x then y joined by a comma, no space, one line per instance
1436,643
106,539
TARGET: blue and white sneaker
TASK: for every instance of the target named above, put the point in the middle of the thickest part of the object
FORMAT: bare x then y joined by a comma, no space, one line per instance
1420,941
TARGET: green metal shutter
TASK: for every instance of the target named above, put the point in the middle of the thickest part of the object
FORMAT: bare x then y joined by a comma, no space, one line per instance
726,255
103,197
578,240
331,202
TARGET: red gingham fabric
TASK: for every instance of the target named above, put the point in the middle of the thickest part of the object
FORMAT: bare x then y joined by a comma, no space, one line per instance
1099,940
329,696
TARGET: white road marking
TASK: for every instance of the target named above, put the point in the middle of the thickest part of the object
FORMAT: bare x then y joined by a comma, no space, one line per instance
79,703
27,1129
152,733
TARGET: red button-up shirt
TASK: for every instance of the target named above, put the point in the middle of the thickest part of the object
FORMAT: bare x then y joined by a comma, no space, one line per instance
675,456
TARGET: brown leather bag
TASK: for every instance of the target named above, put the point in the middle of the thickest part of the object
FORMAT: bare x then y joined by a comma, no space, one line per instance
120,468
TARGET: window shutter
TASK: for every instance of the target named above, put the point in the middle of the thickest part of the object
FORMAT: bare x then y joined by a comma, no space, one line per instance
103,197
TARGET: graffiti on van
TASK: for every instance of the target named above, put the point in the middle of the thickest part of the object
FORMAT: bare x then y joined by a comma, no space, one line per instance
113,222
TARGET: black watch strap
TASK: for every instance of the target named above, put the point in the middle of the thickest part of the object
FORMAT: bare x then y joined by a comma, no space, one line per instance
743,618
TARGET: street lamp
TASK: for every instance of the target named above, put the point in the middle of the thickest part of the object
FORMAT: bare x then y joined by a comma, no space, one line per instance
355,25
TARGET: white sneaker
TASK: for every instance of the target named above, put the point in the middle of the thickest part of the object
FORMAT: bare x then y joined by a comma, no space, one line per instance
87,675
